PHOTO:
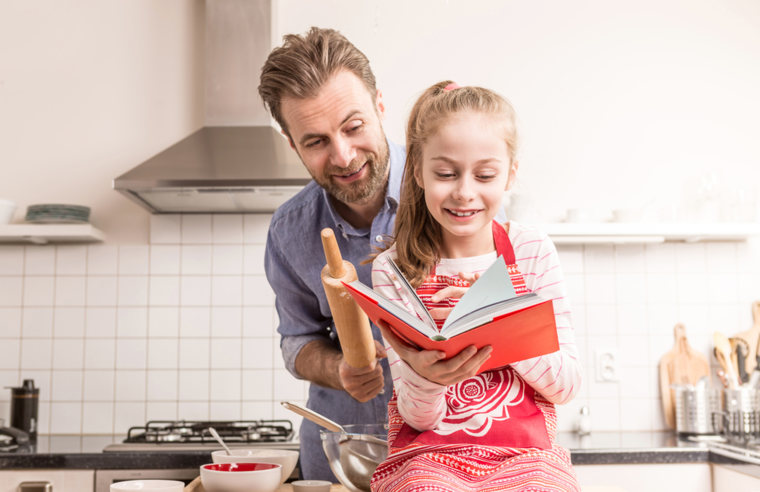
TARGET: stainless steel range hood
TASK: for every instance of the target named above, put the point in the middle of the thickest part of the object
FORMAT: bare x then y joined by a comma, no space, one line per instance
238,162
218,169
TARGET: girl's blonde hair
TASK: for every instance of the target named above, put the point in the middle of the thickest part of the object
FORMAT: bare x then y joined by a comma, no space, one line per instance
417,233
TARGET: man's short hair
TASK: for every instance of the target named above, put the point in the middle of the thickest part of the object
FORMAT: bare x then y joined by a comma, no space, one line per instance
303,64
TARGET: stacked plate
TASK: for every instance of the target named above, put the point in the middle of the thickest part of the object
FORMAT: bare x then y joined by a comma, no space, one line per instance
55,213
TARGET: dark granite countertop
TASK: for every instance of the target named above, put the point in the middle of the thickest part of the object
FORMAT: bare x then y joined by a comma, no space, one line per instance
599,448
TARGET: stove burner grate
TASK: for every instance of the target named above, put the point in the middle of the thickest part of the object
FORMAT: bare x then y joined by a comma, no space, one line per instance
183,431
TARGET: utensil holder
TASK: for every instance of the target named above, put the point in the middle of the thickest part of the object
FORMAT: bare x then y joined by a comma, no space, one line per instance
740,421
695,406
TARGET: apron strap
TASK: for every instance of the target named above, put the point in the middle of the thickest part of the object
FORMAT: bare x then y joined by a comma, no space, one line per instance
503,244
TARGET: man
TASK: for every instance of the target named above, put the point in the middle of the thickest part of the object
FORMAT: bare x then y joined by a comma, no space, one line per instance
321,90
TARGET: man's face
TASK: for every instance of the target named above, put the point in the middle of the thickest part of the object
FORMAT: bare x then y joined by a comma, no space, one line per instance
340,139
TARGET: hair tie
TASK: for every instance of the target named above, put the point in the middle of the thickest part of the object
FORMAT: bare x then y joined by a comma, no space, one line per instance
451,87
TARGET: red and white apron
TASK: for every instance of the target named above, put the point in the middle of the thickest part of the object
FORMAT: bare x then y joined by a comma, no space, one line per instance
494,434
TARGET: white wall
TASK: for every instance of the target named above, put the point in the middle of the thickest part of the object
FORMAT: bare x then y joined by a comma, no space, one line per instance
88,90
621,104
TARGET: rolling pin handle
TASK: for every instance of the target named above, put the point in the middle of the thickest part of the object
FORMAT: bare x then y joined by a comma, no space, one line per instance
332,253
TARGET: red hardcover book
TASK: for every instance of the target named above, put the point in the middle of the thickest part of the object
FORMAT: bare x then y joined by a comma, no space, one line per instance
517,327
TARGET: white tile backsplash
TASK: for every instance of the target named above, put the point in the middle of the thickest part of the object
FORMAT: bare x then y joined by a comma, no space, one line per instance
227,229
38,291
70,291
71,260
196,229
134,260
39,260
227,290
68,353
10,322
100,353
227,259
68,322
100,322
163,322
165,259
133,291
37,322
163,353
12,260
195,291
195,321
102,259
196,259
164,291
165,229
185,327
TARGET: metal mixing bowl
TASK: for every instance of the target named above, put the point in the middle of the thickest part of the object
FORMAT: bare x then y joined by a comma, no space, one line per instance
355,453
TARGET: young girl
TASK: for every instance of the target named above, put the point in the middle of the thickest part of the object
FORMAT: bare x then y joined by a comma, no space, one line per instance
450,429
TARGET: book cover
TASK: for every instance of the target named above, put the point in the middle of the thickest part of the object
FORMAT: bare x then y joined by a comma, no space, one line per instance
489,313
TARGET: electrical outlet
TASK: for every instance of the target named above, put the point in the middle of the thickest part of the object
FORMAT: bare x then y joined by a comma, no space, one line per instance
606,365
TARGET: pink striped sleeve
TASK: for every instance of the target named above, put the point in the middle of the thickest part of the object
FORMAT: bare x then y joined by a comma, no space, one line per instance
556,376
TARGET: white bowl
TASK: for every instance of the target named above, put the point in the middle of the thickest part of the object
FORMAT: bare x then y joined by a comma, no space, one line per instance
149,486
285,457
7,208
241,477
311,486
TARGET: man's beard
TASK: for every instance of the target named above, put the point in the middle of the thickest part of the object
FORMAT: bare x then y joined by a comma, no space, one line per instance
360,191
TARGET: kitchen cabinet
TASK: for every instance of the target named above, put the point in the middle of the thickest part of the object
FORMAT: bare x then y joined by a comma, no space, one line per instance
734,478
61,480
641,233
50,233
692,477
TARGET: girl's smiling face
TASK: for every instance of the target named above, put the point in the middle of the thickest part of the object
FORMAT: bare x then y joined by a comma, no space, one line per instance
465,170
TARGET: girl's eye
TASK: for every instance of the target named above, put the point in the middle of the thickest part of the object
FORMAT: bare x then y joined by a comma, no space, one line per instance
444,175
486,177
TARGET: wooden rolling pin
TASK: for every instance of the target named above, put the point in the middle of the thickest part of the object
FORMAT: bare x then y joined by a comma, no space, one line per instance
351,322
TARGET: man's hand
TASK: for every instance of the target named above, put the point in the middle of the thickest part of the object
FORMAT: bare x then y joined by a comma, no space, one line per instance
322,364
363,383
430,364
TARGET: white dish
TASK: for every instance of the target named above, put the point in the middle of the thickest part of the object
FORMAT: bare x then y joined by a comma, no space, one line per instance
311,486
149,486
285,457
241,477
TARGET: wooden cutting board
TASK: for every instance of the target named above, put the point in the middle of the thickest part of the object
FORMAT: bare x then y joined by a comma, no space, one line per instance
752,336
197,486
681,365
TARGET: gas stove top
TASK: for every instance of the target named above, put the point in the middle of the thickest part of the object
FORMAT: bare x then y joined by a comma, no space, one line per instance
185,435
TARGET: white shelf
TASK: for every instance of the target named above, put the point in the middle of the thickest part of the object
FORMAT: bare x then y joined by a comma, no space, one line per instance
641,233
50,233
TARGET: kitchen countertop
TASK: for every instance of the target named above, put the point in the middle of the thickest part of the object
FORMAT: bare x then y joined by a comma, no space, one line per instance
599,448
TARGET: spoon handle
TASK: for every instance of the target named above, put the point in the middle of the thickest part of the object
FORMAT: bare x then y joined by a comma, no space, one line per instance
313,416
218,438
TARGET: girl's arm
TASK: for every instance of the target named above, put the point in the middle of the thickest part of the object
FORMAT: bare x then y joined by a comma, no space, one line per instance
421,402
556,376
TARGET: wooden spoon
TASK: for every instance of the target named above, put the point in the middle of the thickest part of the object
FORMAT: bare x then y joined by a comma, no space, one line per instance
752,337
723,354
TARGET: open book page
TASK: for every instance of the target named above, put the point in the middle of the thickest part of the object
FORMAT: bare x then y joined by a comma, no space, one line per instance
389,306
493,286
486,314
409,294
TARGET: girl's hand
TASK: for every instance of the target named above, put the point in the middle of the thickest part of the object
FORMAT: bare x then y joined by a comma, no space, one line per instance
452,291
430,364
